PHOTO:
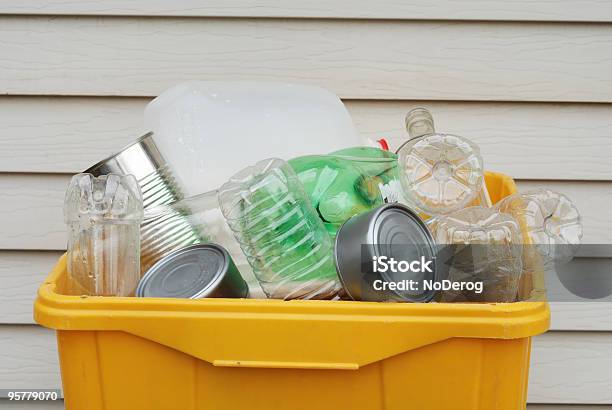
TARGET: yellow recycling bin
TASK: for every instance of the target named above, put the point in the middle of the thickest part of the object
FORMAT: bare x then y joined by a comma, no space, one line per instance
166,354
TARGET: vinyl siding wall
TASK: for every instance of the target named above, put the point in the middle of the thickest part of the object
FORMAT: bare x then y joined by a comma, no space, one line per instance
530,82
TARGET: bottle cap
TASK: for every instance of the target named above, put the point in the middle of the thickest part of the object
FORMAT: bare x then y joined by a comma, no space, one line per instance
384,145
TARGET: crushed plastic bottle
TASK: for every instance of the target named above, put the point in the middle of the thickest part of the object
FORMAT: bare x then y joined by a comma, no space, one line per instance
550,219
484,245
103,216
348,182
440,173
280,232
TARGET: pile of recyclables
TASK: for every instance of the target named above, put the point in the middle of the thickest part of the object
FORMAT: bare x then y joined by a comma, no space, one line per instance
244,190
191,253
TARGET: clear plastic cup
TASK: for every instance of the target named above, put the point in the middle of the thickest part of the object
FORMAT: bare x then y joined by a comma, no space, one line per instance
103,216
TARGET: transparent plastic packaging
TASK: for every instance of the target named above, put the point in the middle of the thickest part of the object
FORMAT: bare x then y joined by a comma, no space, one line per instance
440,173
485,246
103,215
348,182
280,232
551,221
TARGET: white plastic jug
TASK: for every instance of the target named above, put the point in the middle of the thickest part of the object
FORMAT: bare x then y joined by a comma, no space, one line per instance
207,131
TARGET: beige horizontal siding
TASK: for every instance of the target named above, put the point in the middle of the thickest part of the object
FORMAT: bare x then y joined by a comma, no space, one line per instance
21,273
29,358
355,59
582,316
552,10
566,367
571,367
532,90
525,140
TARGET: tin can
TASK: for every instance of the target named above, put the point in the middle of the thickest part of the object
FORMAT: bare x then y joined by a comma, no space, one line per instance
389,231
142,159
198,271
164,228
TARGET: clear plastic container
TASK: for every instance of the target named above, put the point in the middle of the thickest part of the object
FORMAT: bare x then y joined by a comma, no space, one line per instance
551,221
103,215
440,173
280,232
209,130
484,245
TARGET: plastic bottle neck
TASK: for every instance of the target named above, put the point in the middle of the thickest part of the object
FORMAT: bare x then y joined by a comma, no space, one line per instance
419,122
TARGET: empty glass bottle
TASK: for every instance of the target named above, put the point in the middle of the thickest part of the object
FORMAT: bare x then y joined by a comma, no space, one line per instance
103,215
440,173
280,232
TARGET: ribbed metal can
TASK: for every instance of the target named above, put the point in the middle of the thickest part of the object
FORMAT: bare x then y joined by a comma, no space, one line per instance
164,228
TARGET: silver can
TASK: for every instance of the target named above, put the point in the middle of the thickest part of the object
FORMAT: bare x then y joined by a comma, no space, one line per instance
164,227
194,272
142,159
391,231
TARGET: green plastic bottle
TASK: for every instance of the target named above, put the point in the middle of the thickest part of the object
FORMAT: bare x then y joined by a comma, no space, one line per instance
348,182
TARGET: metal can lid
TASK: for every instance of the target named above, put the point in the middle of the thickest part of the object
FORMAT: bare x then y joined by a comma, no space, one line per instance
395,232
140,158
400,234
191,272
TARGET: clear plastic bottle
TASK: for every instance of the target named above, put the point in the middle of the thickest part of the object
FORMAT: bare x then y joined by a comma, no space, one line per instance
280,232
440,173
103,215
551,221
485,246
